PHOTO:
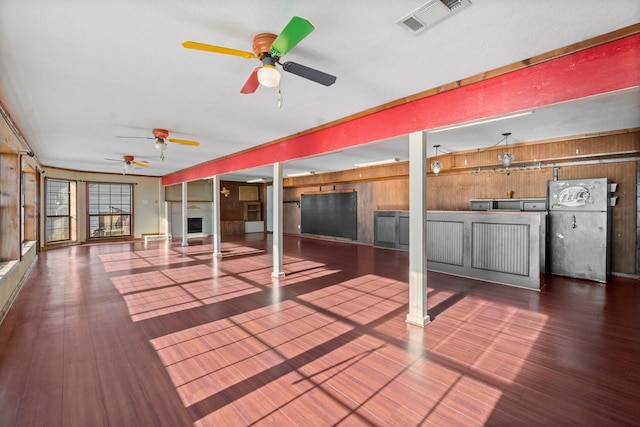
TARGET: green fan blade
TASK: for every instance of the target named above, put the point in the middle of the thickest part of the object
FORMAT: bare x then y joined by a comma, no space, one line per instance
297,29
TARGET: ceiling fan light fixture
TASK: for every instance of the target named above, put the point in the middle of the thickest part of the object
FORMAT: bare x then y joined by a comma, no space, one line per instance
268,76
160,144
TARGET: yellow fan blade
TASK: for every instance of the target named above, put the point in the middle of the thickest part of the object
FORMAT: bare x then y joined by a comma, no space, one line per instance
218,49
184,142
141,165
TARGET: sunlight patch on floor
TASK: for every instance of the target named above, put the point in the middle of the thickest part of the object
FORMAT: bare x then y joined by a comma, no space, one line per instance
141,282
251,347
493,355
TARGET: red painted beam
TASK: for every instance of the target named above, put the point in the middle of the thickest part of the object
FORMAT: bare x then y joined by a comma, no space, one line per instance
598,70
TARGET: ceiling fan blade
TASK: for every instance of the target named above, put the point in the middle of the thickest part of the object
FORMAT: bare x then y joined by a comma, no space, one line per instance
309,73
218,49
252,83
184,142
136,137
296,30
141,165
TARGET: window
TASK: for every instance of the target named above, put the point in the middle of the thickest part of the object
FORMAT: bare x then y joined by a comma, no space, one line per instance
58,202
109,207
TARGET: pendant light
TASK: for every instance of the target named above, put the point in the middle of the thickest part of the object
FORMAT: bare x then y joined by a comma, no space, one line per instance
506,158
268,75
161,146
436,165
128,167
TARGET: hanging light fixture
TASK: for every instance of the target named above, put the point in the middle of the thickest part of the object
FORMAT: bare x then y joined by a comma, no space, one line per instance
436,165
268,75
161,146
128,167
506,158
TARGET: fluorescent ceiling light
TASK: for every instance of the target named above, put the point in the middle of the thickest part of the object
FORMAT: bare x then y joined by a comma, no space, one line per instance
251,181
291,175
377,162
480,122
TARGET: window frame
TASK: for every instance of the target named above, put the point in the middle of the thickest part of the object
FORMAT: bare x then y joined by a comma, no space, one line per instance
69,215
108,218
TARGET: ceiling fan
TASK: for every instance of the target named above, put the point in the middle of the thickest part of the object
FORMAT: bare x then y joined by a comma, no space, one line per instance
160,135
268,48
129,162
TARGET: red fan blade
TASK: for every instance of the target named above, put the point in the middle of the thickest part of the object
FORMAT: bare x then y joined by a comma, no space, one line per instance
252,83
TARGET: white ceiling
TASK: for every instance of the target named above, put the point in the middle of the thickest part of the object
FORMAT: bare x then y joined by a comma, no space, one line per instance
75,75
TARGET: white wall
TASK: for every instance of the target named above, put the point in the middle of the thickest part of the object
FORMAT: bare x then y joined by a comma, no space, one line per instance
202,210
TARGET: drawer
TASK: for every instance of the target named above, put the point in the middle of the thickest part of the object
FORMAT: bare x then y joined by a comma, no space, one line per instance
481,205
513,205
534,206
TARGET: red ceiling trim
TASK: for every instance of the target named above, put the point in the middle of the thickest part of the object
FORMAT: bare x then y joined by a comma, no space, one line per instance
601,69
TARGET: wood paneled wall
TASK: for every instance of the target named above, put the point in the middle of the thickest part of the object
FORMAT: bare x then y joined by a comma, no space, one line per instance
386,187
231,207
10,207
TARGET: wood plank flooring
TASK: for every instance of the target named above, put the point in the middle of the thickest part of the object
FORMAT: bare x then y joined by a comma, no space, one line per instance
163,335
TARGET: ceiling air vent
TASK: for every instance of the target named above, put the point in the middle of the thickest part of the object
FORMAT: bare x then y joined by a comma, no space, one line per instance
429,14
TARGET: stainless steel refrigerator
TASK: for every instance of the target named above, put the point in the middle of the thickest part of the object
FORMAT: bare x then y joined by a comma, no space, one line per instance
579,228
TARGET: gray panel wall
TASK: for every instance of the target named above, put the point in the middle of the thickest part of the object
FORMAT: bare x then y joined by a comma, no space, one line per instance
445,242
500,247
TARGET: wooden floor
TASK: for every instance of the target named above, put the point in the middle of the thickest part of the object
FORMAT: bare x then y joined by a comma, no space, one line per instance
128,335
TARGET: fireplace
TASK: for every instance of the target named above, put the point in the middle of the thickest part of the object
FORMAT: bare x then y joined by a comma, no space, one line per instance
194,225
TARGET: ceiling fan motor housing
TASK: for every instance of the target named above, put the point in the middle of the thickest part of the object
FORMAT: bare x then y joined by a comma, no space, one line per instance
262,43
160,133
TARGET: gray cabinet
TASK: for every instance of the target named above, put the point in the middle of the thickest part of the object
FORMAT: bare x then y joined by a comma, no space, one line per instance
391,229
534,205
529,205
501,247
481,205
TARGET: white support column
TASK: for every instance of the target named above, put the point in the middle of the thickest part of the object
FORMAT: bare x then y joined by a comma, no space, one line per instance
277,221
217,249
167,220
417,227
185,237
162,218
